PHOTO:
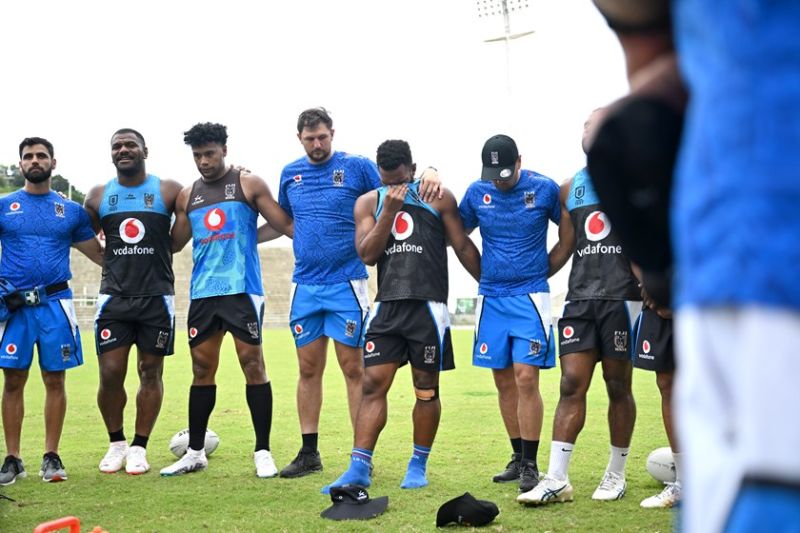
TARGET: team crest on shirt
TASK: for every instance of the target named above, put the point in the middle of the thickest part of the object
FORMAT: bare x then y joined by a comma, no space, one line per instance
149,200
429,355
338,178
161,341
620,341
59,210
350,328
579,192
535,347
230,191
252,328
530,199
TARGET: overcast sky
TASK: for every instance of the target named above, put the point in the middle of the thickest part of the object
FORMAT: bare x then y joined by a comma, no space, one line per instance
413,69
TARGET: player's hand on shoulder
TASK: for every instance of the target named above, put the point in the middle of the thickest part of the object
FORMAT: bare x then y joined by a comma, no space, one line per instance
430,187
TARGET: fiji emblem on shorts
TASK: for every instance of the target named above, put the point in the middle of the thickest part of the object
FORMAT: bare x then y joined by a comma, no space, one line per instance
230,191
161,341
350,328
59,210
530,199
429,355
252,328
149,200
338,178
66,352
621,341
535,347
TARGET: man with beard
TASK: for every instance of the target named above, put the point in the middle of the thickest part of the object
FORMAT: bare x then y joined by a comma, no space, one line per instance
135,305
329,285
37,228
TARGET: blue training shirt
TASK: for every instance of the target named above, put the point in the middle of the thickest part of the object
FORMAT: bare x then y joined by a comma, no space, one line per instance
736,203
36,232
321,198
513,228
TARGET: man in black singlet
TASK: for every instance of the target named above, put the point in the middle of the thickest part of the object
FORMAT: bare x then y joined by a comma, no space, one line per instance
407,238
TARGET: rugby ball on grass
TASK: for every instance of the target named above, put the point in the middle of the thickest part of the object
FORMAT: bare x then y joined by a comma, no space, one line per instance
661,465
180,442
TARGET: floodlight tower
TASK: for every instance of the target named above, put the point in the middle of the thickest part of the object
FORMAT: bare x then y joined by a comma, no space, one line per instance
491,12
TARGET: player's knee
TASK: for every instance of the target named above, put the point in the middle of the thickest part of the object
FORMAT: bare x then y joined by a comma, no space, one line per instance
572,386
53,381
619,389
150,374
14,382
426,394
253,368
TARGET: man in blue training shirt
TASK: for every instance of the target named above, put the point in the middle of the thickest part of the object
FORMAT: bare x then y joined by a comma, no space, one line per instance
219,211
735,226
37,228
514,333
407,238
329,290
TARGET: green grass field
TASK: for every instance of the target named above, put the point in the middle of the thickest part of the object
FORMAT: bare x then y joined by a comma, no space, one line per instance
471,446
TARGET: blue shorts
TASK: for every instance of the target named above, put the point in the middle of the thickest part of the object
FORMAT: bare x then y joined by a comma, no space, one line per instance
337,311
52,326
514,329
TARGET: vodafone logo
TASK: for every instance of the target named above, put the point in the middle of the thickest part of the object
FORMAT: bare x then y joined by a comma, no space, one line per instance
568,332
298,329
14,206
192,333
597,226
11,349
369,347
487,199
646,346
298,178
105,334
131,230
403,226
484,347
214,219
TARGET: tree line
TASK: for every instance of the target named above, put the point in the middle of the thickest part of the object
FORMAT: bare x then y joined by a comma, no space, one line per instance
11,179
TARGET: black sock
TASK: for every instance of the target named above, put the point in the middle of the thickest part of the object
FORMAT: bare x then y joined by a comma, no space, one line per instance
516,444
201,402
259,400
139,440
116,436
310,440
529,449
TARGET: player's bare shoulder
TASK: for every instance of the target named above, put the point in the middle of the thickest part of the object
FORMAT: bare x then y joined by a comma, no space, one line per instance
170,190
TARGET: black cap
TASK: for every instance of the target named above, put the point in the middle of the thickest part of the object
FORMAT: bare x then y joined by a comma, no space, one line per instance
499,158
353,503
466,511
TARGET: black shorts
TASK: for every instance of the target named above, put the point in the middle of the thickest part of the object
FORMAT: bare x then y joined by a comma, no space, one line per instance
605,325
409,330
653,349
147,321
241,314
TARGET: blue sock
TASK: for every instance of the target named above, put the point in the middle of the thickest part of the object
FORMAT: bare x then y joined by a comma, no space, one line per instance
357,473
415,475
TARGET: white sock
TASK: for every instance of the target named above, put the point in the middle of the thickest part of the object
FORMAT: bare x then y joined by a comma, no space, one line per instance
560,454
616,463
678,458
